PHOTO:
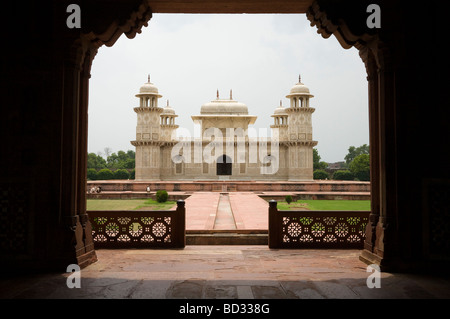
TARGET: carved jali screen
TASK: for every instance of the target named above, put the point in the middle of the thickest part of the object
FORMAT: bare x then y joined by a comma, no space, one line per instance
133,229
334,229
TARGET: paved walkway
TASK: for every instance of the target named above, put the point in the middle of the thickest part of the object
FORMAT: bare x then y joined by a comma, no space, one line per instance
242,210
226,272
250,211
201,209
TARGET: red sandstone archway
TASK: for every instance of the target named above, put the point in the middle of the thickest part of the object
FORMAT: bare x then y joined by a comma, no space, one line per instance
398,61
315,14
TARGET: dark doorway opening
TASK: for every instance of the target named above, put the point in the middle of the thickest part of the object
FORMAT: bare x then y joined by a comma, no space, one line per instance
224,165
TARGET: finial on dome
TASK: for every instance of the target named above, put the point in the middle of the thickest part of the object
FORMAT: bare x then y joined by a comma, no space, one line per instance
299,79
217,93
167,102
149,78
281,105
231,94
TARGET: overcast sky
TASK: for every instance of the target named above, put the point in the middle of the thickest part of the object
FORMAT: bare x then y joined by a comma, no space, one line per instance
259,57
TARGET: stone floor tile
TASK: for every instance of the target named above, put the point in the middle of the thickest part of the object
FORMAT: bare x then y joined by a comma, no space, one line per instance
225,272
213,291
269,292
188,289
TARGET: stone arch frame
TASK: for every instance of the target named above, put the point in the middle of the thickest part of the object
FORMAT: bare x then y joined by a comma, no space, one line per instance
395,237
88,44
379,246
79,50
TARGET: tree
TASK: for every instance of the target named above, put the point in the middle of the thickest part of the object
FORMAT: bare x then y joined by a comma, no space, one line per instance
95,161
112,161
343,175
128,163
107,151
360,167
104,174
316,156
317,164
320,174
121,160
355,151
322,165
122,156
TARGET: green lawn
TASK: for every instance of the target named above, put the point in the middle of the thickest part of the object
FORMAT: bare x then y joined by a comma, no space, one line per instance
325,205
128,204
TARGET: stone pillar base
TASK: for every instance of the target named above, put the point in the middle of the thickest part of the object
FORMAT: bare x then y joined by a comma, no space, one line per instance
396,264
87,259
370,258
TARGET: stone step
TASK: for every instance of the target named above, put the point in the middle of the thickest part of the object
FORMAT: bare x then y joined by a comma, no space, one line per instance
231,237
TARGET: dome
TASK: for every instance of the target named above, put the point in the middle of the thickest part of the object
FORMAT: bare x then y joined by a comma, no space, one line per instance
280,110
168,110
299,89
149,88
224,107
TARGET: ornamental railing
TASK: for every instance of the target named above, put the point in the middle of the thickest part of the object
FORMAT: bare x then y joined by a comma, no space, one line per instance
316,229
139,229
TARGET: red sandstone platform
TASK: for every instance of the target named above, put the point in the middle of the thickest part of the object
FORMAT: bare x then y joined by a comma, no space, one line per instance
317,189
233,186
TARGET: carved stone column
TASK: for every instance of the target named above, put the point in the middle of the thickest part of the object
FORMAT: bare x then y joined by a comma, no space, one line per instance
87,254
69,226
77,49
383,247
372,78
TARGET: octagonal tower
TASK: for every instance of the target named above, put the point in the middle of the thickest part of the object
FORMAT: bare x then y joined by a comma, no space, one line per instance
299,135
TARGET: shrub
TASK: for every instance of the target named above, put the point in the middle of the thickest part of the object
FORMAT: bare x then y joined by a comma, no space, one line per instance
343,175
92,174
320,174
121,174
132,174
162,196
105,174
288,199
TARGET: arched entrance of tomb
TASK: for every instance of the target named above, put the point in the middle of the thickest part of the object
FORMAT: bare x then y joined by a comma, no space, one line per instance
224,165
404,206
